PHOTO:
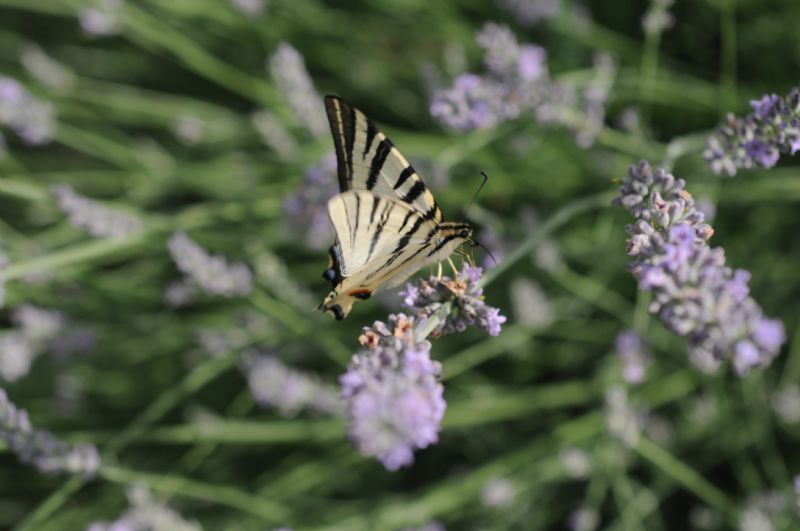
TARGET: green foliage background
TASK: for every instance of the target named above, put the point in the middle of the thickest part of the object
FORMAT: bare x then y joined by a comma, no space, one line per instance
515,401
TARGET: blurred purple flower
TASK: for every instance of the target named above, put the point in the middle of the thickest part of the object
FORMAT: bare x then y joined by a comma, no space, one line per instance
102,19
393,395
273,384
250,7
274,134
19,347
32,120
289,72
633,354
694,293
759,138
658,18
529,12
211,273
95,218
40,448
146,513
466,297
517,80
498,493
306,210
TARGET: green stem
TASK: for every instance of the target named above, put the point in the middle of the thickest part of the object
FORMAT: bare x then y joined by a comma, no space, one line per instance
685,475
170,484
541,232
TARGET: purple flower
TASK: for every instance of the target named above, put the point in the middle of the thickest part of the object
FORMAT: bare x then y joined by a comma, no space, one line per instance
694,293
288,69
393,395
517,79
306,210
40,448
761,152
465,295
102,19
211,273
766,104
276,385
97,219
759,138
633,355
33,120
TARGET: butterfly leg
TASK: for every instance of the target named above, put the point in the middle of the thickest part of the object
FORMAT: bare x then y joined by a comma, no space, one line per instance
452,266
439,272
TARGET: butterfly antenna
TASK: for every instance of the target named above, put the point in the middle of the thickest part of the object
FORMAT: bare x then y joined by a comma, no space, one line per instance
476,243
485,178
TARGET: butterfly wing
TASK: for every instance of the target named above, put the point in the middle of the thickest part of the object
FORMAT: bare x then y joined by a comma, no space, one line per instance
379,241
367,160
373,232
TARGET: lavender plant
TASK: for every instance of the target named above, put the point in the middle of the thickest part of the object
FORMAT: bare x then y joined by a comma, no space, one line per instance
394,399
759,138
98,220
288,69
273,384
211,273
306,209
39,447
463,293
693,292
31,119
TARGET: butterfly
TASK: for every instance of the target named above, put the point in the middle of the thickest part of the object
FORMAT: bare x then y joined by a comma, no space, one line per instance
386,222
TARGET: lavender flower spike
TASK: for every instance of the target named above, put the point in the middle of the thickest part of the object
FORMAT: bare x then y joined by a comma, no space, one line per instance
288,69
212,273
759,138
274,384
393,395
40,448
98,220
694,293
466,297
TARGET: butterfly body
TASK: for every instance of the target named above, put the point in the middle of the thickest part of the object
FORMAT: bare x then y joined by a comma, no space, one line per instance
387,222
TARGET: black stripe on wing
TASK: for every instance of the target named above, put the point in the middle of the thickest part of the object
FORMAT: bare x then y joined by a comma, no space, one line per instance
375,167
335,111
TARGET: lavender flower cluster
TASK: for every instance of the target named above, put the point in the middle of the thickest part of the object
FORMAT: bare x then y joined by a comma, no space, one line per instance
98,220
146,514
694,293
517,79
465,295
35,329
211,273
633,354
40,448
392,391
31,119
759,138
274,384
288,69
306,209
102,18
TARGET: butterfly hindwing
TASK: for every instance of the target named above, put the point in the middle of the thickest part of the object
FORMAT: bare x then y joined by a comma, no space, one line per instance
372,229
367,160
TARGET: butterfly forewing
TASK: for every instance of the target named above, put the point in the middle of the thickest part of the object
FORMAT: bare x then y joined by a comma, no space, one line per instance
367,160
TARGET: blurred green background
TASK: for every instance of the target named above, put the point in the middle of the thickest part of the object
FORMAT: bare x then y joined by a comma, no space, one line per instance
156,120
